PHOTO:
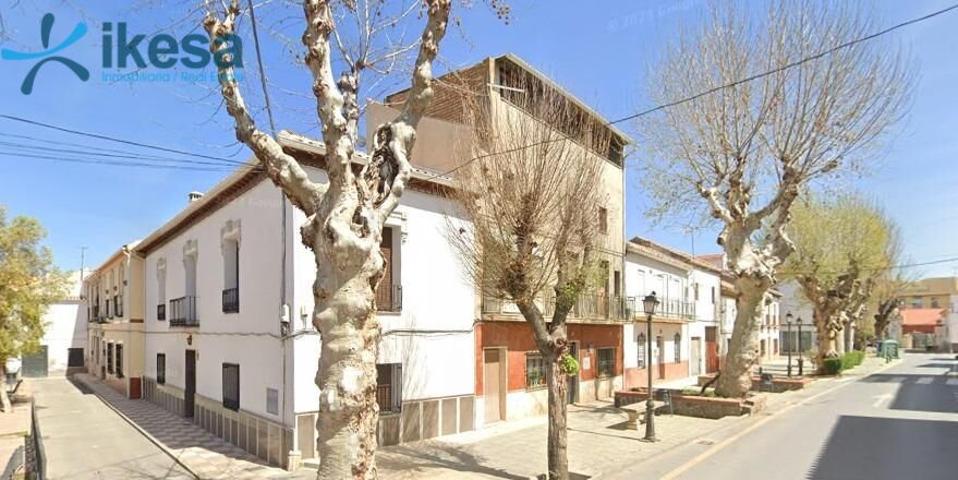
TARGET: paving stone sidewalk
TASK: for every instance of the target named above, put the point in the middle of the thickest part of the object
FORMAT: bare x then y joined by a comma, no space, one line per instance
205,455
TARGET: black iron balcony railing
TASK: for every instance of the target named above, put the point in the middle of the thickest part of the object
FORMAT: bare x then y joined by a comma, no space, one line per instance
183,312
589,306
161,312
389,297
231,300
667,308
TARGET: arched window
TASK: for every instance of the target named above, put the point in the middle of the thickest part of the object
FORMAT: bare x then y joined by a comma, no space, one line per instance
642,346
678,348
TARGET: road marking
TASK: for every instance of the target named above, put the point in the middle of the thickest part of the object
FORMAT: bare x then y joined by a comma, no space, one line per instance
898,379
880,399
952,382
925,381
728,441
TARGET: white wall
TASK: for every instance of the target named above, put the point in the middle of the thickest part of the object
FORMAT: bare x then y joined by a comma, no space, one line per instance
65,327
248,338
433,335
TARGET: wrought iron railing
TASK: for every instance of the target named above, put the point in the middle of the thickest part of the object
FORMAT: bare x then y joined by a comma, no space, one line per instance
183,312
589,306
667,308
231,300
384,397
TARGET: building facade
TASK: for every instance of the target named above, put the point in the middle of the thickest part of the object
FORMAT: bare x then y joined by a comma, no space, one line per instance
64,342
229,339
113,298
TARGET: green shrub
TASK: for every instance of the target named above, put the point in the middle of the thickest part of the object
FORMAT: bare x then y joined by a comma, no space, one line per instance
852,359
832,366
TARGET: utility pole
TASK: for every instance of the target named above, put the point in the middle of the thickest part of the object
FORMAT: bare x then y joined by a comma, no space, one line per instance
82,258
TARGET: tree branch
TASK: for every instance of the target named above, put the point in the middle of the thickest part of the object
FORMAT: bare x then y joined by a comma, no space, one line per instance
281,168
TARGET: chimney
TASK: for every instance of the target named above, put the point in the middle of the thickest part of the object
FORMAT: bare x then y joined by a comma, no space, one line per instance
194,196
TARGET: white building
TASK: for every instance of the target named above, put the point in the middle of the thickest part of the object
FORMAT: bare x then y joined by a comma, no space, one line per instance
794,301
229,342
686,327
64,337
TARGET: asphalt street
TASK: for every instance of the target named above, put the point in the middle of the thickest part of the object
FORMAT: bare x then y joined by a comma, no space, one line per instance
901,423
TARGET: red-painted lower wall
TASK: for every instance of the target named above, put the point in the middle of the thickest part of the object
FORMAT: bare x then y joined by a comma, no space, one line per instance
516,337
637,377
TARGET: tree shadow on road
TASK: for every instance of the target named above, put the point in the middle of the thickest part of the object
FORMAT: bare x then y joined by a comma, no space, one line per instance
428,455
859,447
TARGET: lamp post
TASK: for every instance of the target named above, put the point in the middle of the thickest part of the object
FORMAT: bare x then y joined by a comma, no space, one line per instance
788,322
649,303
801,354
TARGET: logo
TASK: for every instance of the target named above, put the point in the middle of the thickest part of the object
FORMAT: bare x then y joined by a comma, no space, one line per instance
46,24
151,58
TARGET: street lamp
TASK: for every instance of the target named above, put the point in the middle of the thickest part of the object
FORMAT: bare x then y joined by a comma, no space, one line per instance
788,322
649,303
801,354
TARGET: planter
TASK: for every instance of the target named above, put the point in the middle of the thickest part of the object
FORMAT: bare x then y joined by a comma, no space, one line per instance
779,384
699,406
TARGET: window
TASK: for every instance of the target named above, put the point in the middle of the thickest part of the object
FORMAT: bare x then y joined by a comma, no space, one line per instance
606,362
713,295
535,370
678,348
695,288
934,303
161,368
603,220
231,248
642,344
161,289
109,358
389,387
119,360
388,293
231,386
272,401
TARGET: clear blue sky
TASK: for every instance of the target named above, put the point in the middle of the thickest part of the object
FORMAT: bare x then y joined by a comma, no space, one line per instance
600,54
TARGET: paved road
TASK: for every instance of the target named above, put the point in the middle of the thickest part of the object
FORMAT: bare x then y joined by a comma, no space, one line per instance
901,423
85,439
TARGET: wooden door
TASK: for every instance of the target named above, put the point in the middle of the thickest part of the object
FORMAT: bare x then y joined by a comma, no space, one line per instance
189,389
695,356
492,385
711,350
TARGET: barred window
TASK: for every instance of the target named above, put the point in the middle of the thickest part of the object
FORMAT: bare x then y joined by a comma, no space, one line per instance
535,370
678,348
119,360
109,358
231,386
161,368
606,362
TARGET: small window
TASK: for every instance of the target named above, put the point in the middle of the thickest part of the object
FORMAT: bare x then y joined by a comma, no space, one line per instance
109,358
713,295
641,342
603,220
389,387
606,362
161,368
119,360
535,370
272,401
231,386
695,287
678,348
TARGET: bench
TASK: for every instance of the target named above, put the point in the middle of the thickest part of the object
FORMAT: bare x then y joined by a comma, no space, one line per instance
637,410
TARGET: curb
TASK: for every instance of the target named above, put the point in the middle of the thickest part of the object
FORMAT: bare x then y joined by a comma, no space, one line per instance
140,429
681,469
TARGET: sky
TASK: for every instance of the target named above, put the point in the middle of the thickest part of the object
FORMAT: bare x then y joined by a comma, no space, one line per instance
600,54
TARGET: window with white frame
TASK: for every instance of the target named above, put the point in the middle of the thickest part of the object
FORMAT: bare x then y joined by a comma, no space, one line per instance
231,386
161,368
230,236
678,347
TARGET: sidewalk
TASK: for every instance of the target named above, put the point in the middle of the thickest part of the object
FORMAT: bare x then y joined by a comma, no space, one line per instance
204,455
14,429
85,439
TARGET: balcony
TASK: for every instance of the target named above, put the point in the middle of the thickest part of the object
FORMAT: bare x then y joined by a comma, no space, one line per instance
161,312
183,312
668,309
588,307
389,298
231,300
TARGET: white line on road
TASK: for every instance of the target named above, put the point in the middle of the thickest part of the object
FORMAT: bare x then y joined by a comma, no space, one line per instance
952,382
925,381
880,399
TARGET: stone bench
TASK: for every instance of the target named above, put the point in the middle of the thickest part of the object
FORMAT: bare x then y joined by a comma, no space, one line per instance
637,410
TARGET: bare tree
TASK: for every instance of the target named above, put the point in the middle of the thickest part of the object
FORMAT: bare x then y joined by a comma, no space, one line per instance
344,216
531,207
744,151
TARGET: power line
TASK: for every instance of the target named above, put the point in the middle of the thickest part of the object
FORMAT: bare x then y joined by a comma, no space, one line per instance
132,156
118,140
728,85
112,162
